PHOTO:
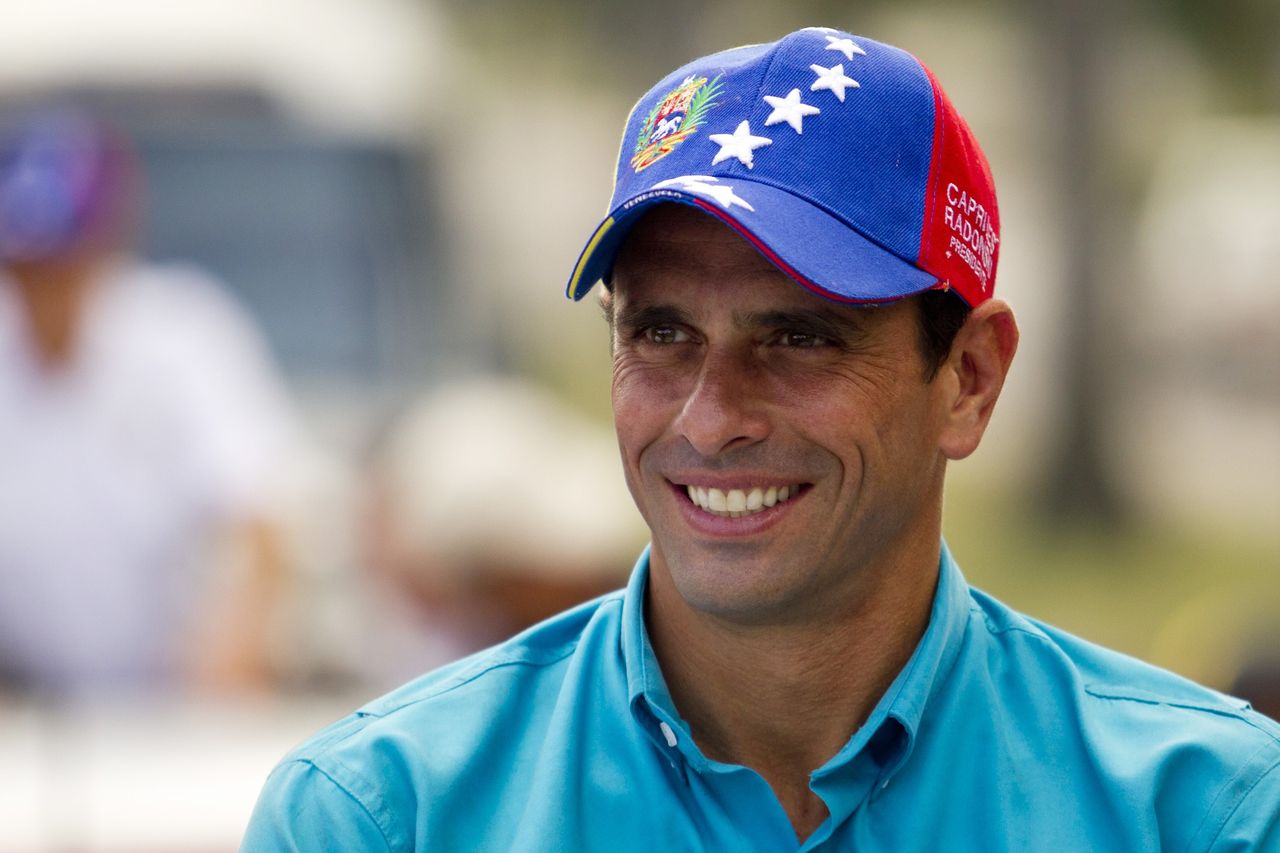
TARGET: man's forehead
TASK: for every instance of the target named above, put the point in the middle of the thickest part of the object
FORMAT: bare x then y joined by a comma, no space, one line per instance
687,279
680,264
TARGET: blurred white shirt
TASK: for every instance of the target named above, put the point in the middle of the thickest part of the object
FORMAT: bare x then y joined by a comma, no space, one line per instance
115,470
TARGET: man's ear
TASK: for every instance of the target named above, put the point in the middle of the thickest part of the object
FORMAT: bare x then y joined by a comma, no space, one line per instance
973,375
605,301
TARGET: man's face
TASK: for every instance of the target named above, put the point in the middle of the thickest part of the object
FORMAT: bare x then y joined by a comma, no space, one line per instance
804,428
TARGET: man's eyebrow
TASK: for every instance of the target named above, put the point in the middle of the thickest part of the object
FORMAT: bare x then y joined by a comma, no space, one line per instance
634,316
831,323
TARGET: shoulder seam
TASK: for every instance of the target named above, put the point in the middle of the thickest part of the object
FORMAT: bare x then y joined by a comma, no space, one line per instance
335,732
1095,690
460,680
1224,710
992,628
382,830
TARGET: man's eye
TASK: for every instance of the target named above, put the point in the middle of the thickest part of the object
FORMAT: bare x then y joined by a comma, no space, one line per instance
803,339
665,335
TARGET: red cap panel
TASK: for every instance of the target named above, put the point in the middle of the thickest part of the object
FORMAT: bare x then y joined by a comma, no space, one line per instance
960,242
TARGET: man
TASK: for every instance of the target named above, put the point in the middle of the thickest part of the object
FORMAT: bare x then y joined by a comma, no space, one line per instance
141,429
797,661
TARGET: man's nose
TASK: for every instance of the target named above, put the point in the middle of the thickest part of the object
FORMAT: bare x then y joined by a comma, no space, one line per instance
725,409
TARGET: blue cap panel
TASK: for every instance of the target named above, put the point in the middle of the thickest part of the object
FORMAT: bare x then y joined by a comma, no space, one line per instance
863,159
816,250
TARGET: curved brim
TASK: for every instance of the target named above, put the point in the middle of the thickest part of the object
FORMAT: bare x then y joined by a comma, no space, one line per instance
806,243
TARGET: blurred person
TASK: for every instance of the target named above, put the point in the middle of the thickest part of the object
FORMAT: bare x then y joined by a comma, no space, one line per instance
141,423
466,547
798,270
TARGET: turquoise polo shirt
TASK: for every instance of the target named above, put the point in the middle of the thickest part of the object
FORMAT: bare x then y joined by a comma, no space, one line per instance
1000,733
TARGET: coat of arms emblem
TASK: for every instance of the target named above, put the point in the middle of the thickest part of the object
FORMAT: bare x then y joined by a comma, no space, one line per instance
673,119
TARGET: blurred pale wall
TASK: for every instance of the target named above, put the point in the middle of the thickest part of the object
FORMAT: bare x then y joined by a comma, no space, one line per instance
374,66
523,103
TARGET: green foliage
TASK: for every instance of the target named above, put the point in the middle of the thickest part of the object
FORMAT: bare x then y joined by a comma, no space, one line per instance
702,101
1238,38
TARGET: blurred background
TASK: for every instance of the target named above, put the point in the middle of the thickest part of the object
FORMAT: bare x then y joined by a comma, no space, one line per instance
285,369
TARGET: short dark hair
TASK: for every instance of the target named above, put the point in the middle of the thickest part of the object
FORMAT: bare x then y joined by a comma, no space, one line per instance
942,313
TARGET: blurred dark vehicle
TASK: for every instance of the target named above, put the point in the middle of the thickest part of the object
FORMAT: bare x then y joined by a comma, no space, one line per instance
328,238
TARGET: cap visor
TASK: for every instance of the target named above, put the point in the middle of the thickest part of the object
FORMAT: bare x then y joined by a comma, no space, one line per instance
805,242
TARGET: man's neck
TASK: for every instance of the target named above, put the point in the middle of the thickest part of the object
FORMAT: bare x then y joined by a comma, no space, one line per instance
784,698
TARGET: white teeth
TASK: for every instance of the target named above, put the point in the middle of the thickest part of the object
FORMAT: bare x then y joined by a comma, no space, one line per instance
736,503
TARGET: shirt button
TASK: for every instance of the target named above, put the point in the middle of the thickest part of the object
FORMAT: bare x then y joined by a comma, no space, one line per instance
668,734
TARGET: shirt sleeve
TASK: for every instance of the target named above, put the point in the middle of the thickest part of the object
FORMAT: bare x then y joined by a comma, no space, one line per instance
302,808
1254,825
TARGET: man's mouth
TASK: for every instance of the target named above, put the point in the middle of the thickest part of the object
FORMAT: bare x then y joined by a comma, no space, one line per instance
735,503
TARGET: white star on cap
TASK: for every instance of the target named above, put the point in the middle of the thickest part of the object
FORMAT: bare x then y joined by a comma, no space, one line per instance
707,185
738,144
789,109
846,46
832,79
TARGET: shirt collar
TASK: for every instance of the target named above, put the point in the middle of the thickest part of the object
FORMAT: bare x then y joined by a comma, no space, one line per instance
889,733
903,704
647,695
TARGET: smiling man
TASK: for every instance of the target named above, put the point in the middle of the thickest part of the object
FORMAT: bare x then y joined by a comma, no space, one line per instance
798,272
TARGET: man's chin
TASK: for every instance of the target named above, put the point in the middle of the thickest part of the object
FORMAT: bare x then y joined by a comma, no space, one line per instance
735,581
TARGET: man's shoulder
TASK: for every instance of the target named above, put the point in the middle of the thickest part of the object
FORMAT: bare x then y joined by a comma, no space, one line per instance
443,738
1199,760
507,684
1102,675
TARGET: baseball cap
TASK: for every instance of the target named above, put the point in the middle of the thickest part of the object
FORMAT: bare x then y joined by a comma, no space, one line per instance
840,158
62,177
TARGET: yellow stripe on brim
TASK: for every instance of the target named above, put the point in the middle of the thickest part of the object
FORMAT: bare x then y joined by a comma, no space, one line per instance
576,290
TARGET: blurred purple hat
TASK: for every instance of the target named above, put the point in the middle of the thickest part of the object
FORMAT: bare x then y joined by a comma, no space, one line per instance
63,178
